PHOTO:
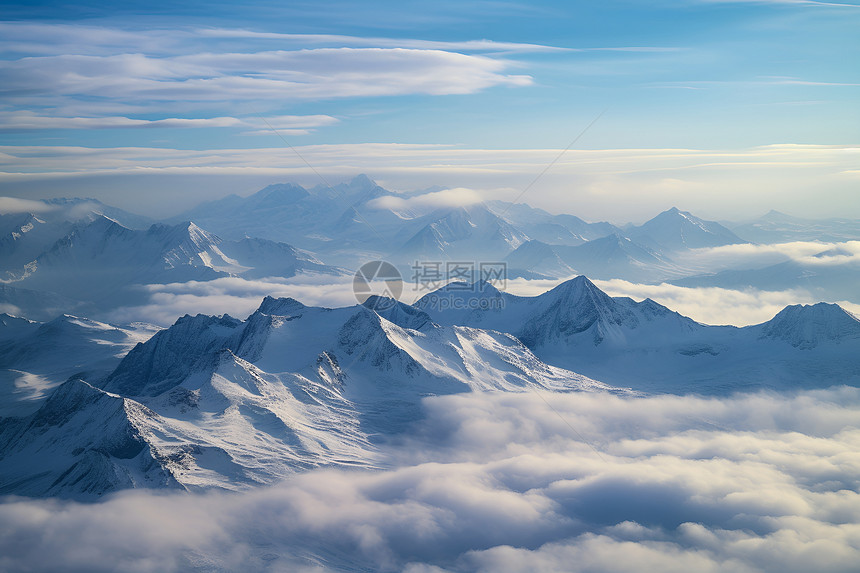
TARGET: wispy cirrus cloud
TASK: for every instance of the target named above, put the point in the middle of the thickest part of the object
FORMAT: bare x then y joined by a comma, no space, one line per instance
292,124
324,73
55,65
357,41
32,37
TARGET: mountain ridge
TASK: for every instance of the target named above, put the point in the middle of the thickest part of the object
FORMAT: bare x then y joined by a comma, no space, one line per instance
649,347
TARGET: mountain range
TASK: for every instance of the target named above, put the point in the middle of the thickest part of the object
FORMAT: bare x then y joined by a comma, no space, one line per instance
776,227
24,236
88,408
101,264
217,402
646,346
821,278
81,257
608,257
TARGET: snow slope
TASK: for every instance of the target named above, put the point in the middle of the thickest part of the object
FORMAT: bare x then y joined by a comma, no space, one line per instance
37,357
99,261
674,230
651,348
613,256
471,233
563,229
215,402
25,236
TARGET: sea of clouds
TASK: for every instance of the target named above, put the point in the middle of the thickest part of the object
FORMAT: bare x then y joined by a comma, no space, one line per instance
511,482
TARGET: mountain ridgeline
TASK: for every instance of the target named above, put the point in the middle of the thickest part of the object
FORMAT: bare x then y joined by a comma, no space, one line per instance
217,402
82,257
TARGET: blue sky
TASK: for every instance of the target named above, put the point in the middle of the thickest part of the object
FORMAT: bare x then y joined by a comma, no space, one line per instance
705,75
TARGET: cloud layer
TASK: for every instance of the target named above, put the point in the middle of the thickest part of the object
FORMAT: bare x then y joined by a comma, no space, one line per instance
287,124
501,482
324,73
457,197
234,296
750,255
66,76
240,297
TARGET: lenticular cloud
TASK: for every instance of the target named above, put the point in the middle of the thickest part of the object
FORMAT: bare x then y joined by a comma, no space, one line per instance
501,482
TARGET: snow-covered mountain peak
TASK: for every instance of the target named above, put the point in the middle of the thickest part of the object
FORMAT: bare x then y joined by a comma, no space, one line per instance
102,224
361,182
362,188
183,243
279,194
577,290
676,217
67,323
674,229
171,355
15,327
654,308
69,397
284,306
807,326
83,442
184,233
15,225
403,315
573,307
486,287
612,246
470,231
532,250
369,338
359,189
774,215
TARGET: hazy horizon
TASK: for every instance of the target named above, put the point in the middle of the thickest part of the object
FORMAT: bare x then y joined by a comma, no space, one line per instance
724,108
401,379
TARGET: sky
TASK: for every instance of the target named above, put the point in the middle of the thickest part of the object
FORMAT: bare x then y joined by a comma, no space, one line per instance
727,108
